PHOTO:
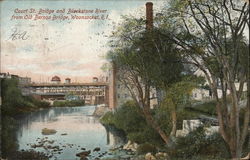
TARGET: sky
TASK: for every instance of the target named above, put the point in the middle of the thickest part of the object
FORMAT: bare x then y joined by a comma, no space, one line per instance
69,48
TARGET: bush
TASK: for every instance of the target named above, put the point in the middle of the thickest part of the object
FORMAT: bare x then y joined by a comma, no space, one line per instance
108,119
163,117
37,103
146,148
68,103
130,119
13,106
146,134
196,143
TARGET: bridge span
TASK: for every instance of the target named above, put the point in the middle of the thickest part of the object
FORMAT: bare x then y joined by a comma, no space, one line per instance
91,93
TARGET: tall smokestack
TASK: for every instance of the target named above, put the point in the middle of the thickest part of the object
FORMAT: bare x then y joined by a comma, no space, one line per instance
149,15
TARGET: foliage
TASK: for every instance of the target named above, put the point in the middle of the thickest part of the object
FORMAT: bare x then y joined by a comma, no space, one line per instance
196,143
163,117
180,91
67,103
129,119
206,34
145,59
108,119
14,103
36,103
207,108
210,34
10,90
8,135
146,148
12,106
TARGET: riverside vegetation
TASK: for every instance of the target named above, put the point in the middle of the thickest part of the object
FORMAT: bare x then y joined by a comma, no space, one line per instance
68,103
196,145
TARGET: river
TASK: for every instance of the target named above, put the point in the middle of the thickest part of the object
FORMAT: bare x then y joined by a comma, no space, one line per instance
76,130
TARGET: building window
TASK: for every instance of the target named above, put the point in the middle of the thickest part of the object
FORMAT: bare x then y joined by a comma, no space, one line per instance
126,95
118,95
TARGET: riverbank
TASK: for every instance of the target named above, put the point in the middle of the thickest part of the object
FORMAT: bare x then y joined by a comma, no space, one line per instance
67,103
128,119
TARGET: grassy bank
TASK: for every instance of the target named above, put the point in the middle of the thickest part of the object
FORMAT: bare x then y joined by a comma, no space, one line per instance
68,103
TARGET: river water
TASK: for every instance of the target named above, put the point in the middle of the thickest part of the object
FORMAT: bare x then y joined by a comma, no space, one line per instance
76,130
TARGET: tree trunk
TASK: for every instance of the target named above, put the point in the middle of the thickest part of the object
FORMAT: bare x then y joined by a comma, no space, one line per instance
232,147
155,126
174,122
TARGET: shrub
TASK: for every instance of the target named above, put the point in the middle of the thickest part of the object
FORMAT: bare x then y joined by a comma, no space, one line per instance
146,134
129,119
196,143
68,103
108,119
146,148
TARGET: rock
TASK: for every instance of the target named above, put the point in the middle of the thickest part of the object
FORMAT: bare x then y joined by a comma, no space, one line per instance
97,149
149,156
130,146
47,131
36,145
84,153
84,158
161,155
50,142
83,148
64,134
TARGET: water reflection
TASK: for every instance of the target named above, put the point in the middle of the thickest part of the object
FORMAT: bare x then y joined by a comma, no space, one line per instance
83,131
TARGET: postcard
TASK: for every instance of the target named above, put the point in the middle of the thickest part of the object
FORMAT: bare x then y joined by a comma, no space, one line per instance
124,80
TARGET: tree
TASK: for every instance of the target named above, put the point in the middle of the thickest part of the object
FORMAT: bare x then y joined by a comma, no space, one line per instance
144,61
210,33
178,94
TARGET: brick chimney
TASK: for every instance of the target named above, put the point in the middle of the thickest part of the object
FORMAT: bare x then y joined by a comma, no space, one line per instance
149,15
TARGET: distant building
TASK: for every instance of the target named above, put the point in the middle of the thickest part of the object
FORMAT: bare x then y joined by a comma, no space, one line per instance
204,94
24,80
5,75
67,80
56,79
